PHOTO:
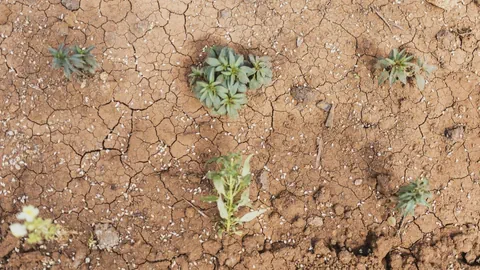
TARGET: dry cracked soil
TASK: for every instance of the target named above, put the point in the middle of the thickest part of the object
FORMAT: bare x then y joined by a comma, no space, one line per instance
118,158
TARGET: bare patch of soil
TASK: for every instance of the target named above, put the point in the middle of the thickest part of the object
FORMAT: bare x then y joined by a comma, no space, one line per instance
127,147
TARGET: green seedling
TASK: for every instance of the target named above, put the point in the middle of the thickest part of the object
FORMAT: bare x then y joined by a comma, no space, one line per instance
74,60
222,80
232,186
37,229
90,64
263,71
413,194
400,66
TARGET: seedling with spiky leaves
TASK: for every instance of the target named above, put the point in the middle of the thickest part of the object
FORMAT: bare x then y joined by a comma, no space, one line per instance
74,60
413,194
399,66
90,64
263,71
232,72
62,59
232,186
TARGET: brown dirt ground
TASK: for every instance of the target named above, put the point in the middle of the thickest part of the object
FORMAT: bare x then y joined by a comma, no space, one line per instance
127,147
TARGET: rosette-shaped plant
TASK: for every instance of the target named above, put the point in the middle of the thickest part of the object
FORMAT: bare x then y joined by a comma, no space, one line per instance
221,82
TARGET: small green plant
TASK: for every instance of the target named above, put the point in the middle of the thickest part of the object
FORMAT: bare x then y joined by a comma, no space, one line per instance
399,66
413,194
221,82
37,229
232,185
75,60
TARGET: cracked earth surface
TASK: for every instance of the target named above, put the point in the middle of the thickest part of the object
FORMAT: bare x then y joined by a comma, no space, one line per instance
127,147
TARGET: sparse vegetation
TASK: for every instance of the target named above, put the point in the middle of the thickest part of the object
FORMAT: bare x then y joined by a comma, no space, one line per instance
36,228
400,66
231,182
413,194
221,82
74,60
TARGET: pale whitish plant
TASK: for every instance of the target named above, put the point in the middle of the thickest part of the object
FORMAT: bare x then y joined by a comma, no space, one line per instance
36,228
232,186
399,66
413,194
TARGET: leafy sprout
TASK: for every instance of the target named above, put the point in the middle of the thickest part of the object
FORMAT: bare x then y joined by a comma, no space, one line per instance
90,64
413,194
399,66
36,228
232,72
232,186
74,60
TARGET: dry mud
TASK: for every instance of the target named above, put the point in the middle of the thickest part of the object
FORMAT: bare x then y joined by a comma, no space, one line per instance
124,151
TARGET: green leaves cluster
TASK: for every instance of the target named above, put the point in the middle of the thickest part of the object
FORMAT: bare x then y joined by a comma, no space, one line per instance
36,228
222,81
399,66
413,194
41,229
74,60
232,182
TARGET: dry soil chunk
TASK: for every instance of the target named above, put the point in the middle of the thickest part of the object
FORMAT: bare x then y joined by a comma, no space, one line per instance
107,236
71,4
4,13
289,206
444,4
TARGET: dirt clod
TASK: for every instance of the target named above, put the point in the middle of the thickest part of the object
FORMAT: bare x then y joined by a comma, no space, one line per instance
338,209
456,134
106,236
315,221
344,256
71,4
4,13
444,4
385,186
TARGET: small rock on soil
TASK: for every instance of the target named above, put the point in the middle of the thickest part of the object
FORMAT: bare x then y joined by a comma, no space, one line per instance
71,4
456,134
444,4
107,236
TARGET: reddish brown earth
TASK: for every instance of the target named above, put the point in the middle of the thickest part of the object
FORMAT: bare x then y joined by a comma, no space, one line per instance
123,152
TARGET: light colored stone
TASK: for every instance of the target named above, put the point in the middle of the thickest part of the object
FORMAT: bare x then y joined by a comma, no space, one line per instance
71,4
107,236
444,4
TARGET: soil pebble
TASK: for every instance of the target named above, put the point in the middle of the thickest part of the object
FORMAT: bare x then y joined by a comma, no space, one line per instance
358,182
71,4
107,236
384,185
315,221
8,244
338,209
225,13
4,13
456,134
211,247
302,93
444,4
264,180
289,206
344,256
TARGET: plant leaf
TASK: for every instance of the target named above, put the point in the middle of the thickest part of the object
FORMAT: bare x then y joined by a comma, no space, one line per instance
209,199
221,208
420,81
244,199
251,215
246,166
213,62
